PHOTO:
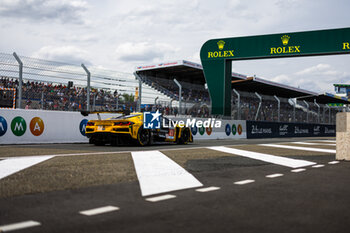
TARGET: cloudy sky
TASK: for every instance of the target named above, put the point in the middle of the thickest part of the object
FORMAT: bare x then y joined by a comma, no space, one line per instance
122,34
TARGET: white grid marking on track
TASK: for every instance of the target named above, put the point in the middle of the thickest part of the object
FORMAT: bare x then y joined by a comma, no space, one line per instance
318,166
160,198
288,162
19,225
208,189
13,165
242,182
300,148
159,174
333,162
274,175
100,210
298,170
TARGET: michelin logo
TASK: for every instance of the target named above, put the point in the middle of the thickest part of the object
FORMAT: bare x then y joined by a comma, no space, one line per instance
151,120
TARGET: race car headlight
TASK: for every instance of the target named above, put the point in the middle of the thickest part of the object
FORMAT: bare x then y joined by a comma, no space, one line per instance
90,124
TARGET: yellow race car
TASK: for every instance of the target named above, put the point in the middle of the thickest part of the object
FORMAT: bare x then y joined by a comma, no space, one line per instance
129,129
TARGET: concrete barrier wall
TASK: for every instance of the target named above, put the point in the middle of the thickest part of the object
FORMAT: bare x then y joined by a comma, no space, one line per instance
259,129
36,126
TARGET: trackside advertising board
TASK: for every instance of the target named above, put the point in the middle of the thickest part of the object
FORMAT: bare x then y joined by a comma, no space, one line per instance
258,129
36,126
228,129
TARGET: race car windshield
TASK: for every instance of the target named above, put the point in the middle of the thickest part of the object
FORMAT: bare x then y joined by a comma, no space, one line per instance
125,117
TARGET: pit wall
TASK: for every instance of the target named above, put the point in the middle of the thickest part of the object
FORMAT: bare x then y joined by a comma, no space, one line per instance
36,126
260,129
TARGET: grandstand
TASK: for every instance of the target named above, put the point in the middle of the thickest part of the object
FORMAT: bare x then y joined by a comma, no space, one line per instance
59,86
253,98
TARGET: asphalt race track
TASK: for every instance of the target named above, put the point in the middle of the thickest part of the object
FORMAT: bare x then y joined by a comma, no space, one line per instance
84,188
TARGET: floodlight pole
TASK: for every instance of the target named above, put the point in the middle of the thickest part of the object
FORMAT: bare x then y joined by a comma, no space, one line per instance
318,111
88,87
307,111
238,104
260,100
180,92
278,107
20,80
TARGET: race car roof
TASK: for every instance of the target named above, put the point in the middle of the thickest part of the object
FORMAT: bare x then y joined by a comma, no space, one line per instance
192,72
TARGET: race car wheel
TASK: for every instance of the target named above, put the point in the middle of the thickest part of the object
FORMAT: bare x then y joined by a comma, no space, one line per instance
143,137
185,136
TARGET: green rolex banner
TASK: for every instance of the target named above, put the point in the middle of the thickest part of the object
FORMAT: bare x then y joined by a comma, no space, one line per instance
218,54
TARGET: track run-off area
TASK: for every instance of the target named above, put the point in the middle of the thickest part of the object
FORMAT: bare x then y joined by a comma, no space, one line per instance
267,185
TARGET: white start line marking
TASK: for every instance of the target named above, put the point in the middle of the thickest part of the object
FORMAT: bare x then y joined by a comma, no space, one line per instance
274,175
100,210
242,182
298,170
161,198
208,189
19,225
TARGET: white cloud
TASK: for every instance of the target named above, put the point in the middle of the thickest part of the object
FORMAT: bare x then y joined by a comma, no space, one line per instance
62,10
66,54
143,51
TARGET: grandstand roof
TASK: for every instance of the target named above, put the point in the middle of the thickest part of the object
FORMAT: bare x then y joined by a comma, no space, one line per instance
181,70
192,72
327,98
265,87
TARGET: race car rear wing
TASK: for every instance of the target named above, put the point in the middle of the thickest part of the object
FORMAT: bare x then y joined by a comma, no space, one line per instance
86,113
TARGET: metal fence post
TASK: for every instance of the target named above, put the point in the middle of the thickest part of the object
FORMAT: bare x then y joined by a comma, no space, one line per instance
20,80
260,100
318,111
238,104
180,92
88,87
329,114
307,111
278,107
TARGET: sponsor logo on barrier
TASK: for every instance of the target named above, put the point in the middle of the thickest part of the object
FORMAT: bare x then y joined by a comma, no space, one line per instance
82,126
234,129
317,130
194,130
328,131
209,130
3,126
298,130
201,130
228,129
257,130
36,126
240,129
283,130
18,126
